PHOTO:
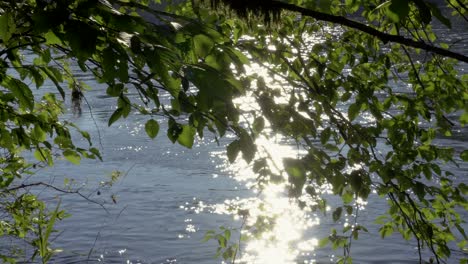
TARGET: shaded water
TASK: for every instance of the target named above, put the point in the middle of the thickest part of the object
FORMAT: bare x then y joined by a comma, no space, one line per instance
149,222
168,197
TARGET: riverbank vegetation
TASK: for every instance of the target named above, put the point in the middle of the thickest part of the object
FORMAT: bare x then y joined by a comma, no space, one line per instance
364,88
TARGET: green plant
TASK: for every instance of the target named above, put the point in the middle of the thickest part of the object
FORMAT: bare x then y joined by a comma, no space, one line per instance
328,64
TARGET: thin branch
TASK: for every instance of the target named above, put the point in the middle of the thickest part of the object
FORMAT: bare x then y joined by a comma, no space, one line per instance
4,51
23,186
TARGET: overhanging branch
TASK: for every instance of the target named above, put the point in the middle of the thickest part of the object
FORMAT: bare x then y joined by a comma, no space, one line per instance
384,37
35,184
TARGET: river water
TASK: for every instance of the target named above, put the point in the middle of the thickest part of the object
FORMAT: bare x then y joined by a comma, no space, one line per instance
168,196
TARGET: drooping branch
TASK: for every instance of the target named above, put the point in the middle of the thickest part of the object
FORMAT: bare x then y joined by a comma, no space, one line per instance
384,37
259,7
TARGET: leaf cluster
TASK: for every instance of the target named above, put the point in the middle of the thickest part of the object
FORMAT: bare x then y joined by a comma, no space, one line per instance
366,102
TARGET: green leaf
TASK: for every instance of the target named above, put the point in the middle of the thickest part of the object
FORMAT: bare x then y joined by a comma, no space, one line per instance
233,150
464,155
227,234
325,136
345,97
82,48
124,103
158,66
419,190
43,154
22,92
337,214
187,136
323,242
296,175
200,28
398,10
38,134
115,116
152,128
353,111
384,5
72,156
385,231
63,142
56,77
258,125
213,86
202,45
86,136
51,223
238,56
115,89
173,131
38,78
96,152
347,197
247,146
221,241
208,235
464,118
4,31
52,39
7,26
349,209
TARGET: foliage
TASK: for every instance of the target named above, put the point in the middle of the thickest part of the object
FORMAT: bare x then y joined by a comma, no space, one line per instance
365,105
225,250
39,40
32,128
330,63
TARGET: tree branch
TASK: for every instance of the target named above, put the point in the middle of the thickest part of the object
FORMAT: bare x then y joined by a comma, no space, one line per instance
384,37
6,50
27,185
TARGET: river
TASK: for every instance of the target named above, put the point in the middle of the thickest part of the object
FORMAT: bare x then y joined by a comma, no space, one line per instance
168,196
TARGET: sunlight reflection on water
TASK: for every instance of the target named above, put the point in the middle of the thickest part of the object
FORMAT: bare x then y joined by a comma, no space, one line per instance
274,224
275,227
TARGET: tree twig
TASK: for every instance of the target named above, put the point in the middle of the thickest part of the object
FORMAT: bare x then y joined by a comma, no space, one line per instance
27,185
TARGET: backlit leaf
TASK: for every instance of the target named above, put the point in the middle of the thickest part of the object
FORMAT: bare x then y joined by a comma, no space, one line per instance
72,156
7,26
187,136
464,118
152,128
51,38
202,44
22,92
38,134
